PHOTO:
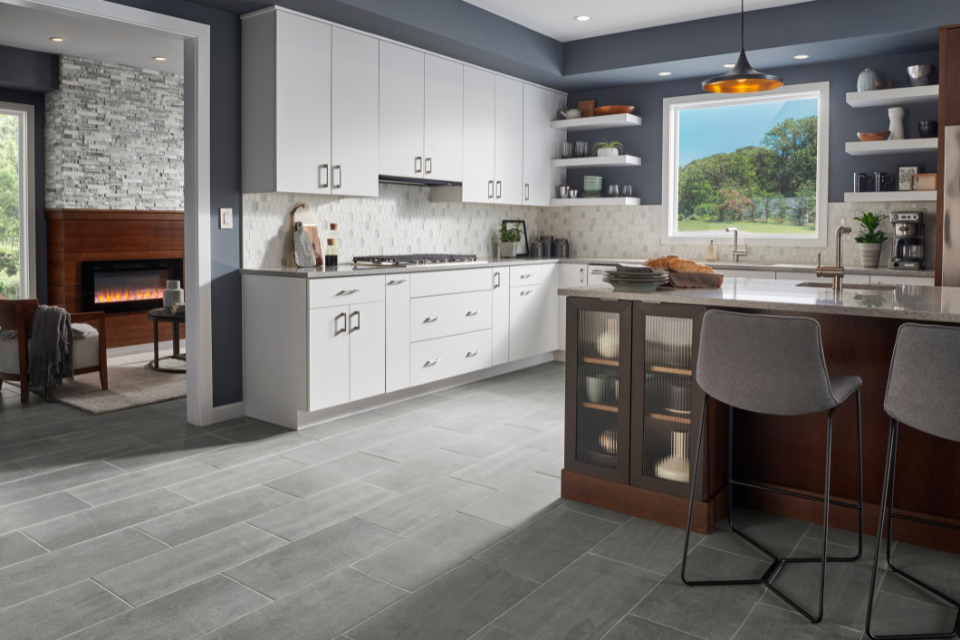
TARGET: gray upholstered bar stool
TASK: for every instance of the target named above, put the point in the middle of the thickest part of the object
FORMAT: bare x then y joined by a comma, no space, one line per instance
923,391
772,365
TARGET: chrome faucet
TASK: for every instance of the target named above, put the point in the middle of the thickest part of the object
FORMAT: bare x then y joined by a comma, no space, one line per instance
737,252
835,272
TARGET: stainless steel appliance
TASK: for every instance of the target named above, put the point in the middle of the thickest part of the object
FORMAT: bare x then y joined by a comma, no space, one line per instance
413,259
951,206
908,232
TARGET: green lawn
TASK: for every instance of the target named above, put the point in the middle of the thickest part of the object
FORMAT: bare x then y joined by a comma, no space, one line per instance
748,226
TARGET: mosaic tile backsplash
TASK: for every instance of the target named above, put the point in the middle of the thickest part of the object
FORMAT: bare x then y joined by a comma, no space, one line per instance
403,220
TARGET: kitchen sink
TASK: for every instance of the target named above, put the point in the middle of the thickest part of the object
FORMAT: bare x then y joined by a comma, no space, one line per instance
859,287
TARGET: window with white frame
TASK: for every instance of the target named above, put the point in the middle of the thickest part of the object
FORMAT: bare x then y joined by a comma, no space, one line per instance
758,163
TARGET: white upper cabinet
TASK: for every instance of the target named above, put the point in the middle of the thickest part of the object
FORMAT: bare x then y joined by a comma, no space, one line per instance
443,121
479,134
401,111
356,106
509,141
541,144
286,104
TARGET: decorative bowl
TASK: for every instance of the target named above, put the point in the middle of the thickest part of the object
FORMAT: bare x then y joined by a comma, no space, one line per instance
612,109
873,136
920,74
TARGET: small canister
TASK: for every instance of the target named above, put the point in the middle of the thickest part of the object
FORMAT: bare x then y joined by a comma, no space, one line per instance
561,248
547,242
536,250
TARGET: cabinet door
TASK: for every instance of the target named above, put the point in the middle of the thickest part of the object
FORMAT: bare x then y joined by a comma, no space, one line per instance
541,144
509,141
443,128
524,322
547,298
367,326
479,133
356,106
329,347
571,275
302,96
598,382
401,111
398,334
501,316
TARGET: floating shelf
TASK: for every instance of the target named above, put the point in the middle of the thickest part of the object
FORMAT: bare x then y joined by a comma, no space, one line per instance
882,147
891,196
583,202
893,97
596,161
598,122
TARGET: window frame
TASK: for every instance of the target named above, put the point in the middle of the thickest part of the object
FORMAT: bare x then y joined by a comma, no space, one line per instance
671,171
28,257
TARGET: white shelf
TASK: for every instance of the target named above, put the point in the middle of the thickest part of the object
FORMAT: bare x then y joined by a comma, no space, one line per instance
607,202
893,97
614,121
596,161
882,147
891,196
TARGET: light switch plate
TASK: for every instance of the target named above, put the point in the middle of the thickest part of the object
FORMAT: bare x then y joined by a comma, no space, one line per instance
226,218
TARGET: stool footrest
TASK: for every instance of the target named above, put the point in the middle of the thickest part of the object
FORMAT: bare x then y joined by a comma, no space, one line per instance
794,494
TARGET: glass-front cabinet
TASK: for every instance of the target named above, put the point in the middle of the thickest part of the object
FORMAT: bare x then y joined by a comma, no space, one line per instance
633,406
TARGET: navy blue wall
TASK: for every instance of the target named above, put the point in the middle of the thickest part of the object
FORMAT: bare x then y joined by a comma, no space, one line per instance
646,140
28,70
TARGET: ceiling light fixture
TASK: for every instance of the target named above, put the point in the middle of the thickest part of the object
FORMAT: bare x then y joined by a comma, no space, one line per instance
57,39
160,59
665,73
802,56
742,78
582,18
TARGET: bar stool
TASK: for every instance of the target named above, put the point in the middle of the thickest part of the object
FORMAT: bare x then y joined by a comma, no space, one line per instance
923,390
772,365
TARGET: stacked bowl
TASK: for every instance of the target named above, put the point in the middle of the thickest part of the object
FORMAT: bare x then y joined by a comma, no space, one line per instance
636,279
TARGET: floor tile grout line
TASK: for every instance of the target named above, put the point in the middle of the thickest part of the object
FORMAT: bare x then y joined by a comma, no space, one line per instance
692,635
752,610
353,568
132,606
627,564
246,586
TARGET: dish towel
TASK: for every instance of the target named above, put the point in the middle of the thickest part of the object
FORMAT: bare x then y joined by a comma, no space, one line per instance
51,349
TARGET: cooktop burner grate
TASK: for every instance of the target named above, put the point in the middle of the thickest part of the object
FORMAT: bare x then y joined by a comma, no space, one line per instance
413,259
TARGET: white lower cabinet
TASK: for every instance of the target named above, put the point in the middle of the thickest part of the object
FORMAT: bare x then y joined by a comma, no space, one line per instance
500,316
347,354
595,273
441,316
434,360
569,275
398,333
368,370
549,318
524,316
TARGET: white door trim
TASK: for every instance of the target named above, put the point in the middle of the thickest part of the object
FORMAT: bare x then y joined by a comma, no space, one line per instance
27,186
196,69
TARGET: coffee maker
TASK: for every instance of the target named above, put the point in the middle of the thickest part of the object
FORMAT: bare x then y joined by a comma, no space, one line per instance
908,231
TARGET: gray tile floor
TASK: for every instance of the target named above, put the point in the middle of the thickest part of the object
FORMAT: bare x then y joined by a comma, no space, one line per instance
437,518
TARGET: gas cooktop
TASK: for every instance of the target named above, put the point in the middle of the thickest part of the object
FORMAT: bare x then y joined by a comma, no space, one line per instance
413,259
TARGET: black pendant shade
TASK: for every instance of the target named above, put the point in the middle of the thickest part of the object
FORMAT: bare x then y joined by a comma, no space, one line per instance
742,78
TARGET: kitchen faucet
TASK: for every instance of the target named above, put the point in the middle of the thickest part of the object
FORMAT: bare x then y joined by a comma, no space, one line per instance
835,272
737,252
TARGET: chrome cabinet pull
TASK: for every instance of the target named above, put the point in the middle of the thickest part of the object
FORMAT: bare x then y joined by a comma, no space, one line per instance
338,175
526,191
581,275
337,330
430,363
433,319
395,282
429,164
525,293
597,272
418,164
356,328
496,280
525,275
473,313
348,292
499,189
490,189
324,176
470,354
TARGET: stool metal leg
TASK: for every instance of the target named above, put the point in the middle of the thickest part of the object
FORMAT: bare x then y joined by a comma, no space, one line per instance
886,513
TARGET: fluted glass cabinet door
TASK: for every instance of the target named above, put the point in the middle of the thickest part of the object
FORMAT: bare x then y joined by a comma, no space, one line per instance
666,400
599,336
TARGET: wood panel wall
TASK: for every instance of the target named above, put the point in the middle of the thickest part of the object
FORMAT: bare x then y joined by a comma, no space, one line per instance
79,235
949,115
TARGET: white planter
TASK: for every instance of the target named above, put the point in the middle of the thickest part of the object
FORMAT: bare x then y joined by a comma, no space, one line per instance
507,249
896,123
869,254
603,153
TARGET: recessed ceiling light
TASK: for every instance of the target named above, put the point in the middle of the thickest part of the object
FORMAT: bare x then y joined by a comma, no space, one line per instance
665,73
160,59
729,66
57,39
583,18
801,57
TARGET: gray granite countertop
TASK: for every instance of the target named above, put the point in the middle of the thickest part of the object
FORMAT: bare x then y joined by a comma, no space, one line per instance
903,302
351,270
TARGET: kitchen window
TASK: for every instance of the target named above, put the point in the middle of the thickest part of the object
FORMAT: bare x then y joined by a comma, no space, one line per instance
758,163
17,273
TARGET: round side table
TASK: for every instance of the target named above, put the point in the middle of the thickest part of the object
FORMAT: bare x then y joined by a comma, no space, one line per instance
176,319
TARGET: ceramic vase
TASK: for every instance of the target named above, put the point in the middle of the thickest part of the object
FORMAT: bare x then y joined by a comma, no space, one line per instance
508,249
896,123
172,295
867,80
869,254
607,152
676,467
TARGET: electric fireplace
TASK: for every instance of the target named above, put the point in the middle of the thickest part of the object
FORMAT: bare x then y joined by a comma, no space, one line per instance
118,286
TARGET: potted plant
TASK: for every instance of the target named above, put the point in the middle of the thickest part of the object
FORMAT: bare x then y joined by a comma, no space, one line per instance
871,239
509,237
608,148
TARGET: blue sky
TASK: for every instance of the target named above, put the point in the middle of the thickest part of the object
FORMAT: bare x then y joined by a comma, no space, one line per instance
705,132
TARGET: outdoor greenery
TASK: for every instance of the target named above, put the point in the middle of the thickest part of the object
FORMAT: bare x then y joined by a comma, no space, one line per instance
869,228
770,188
9,208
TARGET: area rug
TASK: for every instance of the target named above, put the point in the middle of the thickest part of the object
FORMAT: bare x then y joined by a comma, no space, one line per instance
131,384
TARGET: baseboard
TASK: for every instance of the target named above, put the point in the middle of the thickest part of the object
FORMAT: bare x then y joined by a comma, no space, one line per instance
227,412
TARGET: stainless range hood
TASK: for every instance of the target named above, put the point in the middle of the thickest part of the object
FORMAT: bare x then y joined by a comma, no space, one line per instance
417,182
951,207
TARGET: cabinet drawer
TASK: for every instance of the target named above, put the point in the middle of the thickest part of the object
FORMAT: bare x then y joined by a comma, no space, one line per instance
440,316
441,283
525,276
447,357
333,292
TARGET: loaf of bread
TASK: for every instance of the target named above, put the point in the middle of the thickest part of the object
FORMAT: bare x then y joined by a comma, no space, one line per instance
660,264
679,265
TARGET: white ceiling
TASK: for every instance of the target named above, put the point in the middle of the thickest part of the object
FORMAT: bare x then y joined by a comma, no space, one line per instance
556,18
91,38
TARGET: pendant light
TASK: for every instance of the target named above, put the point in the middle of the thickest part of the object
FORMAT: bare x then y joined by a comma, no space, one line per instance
742,78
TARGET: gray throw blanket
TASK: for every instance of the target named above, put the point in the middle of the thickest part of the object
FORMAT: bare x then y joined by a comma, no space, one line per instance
51,349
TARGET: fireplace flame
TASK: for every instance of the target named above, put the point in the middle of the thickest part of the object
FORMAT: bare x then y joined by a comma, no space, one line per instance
128,295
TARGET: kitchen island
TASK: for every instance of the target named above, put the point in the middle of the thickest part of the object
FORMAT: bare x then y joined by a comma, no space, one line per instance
631,451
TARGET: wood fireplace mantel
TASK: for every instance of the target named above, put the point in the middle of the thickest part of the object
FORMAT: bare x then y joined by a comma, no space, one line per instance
78,235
